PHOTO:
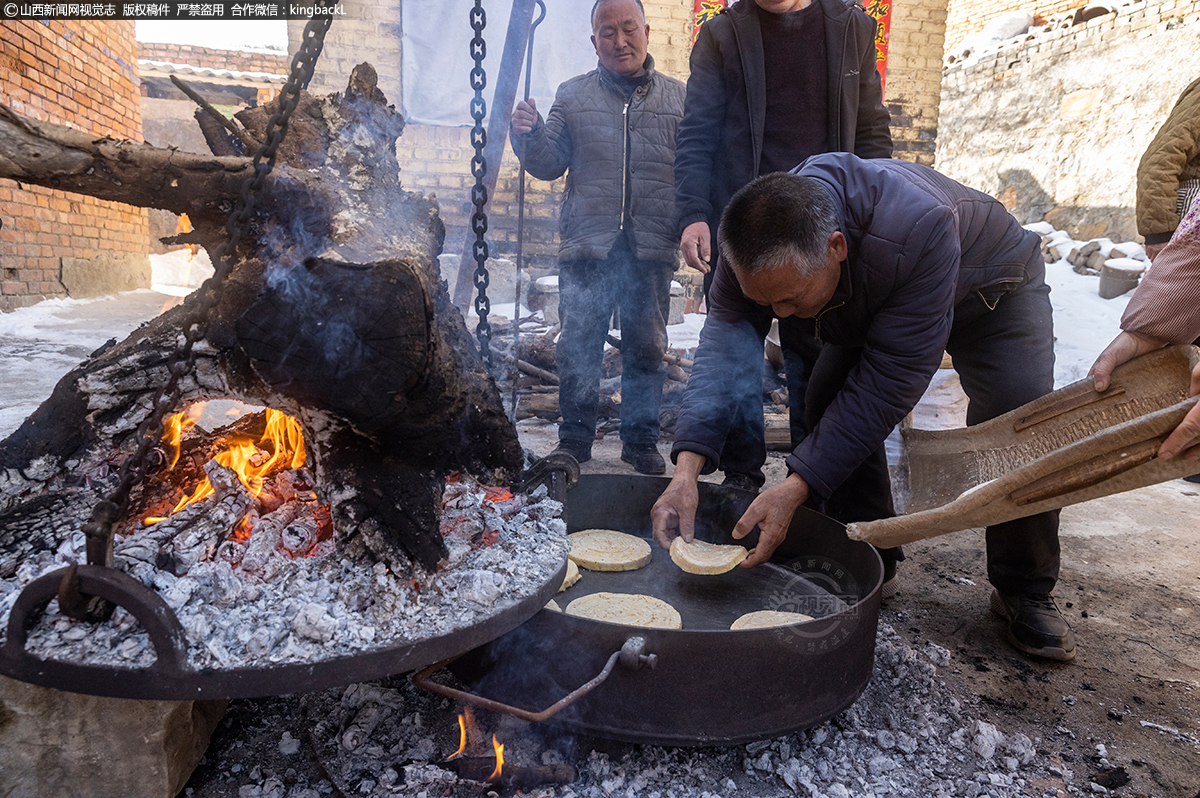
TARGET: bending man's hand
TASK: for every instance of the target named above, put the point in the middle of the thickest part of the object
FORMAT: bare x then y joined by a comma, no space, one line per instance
524,116
1124,347
1152,250
675,511
1186,437
772,511
696,246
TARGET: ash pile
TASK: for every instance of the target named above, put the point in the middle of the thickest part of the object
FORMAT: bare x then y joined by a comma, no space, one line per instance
906,736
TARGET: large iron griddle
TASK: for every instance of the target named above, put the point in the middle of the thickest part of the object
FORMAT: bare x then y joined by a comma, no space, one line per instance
703,684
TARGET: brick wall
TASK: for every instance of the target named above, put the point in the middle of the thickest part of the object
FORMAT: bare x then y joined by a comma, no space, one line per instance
970,16
914,77
82,74
237,60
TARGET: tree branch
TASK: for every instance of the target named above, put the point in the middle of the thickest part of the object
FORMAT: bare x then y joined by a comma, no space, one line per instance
63,158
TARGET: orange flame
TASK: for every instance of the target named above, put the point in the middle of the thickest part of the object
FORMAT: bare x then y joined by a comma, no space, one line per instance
184,225
499,760
462,738
283,437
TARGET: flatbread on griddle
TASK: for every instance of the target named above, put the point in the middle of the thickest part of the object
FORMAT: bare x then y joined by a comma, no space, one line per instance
608,550
699,557
552,605
766,618
631,609
572,575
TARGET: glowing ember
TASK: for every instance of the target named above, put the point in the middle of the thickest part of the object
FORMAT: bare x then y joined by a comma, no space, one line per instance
280,447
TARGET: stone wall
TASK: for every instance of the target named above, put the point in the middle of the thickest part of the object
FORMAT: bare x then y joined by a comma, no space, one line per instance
1055,123
82,74
970,16
914,77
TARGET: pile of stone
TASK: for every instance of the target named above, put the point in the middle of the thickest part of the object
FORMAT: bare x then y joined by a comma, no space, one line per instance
1119,266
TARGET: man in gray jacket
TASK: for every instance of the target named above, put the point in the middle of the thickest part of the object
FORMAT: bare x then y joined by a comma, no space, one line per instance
612,131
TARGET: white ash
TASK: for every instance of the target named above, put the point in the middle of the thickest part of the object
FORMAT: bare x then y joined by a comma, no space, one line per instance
907,735
311,608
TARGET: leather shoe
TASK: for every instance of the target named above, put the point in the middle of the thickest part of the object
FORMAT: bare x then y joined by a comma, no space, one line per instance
644,458
1035,626
582,452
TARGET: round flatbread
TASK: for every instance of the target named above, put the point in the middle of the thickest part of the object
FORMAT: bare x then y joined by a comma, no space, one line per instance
699,557
572,575
765,618
631,609
552,605
608,550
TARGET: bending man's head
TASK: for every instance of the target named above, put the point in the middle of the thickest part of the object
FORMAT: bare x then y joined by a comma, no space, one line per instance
780,234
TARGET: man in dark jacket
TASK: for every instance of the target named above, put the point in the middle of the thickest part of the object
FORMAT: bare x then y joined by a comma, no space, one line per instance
894,263
772,82
612,131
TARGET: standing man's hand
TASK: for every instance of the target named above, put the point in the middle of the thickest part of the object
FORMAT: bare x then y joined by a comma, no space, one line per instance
772,511
1152,250
696,246
675,511
524,116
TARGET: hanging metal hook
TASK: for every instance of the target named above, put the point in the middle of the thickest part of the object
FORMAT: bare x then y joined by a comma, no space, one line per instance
516,375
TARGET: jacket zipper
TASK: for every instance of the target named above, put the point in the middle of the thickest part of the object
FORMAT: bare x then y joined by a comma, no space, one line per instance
817,320
624,162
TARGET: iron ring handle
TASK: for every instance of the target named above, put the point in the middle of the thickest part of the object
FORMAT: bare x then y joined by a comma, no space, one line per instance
629,655
156,616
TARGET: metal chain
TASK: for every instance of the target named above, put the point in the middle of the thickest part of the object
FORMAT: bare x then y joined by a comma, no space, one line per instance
479,193
182,360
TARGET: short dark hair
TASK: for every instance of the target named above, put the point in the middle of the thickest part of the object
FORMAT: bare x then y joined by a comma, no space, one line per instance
778,218
599,3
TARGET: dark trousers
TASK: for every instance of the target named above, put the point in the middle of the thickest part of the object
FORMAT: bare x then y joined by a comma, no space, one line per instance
589,291
1003,350
745,448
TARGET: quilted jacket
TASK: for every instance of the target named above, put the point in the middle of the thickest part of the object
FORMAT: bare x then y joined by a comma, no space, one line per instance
584,135
1172,157
920,244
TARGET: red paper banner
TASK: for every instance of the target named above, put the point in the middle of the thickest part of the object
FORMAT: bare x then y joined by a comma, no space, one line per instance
881,12
704,11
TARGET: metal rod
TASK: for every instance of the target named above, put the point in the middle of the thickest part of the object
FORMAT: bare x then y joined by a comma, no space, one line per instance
422,680
507,78
521,218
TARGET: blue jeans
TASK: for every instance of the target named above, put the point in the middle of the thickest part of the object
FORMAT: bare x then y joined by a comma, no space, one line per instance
589,292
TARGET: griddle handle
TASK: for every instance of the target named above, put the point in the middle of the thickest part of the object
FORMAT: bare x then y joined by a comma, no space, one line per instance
630,655
154,614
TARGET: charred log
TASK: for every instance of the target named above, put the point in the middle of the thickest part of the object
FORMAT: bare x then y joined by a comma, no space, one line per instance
334,313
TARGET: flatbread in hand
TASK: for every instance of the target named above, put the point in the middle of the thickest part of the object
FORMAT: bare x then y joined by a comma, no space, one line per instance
631,609
608,550
699,557
766,618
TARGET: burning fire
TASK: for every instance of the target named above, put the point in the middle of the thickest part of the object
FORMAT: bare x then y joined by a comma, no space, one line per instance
499,760
470,743
280,447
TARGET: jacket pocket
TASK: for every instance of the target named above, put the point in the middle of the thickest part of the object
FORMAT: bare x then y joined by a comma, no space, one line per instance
991,293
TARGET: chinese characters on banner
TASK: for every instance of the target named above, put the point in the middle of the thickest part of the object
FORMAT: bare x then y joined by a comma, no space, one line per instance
705,10
879,10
